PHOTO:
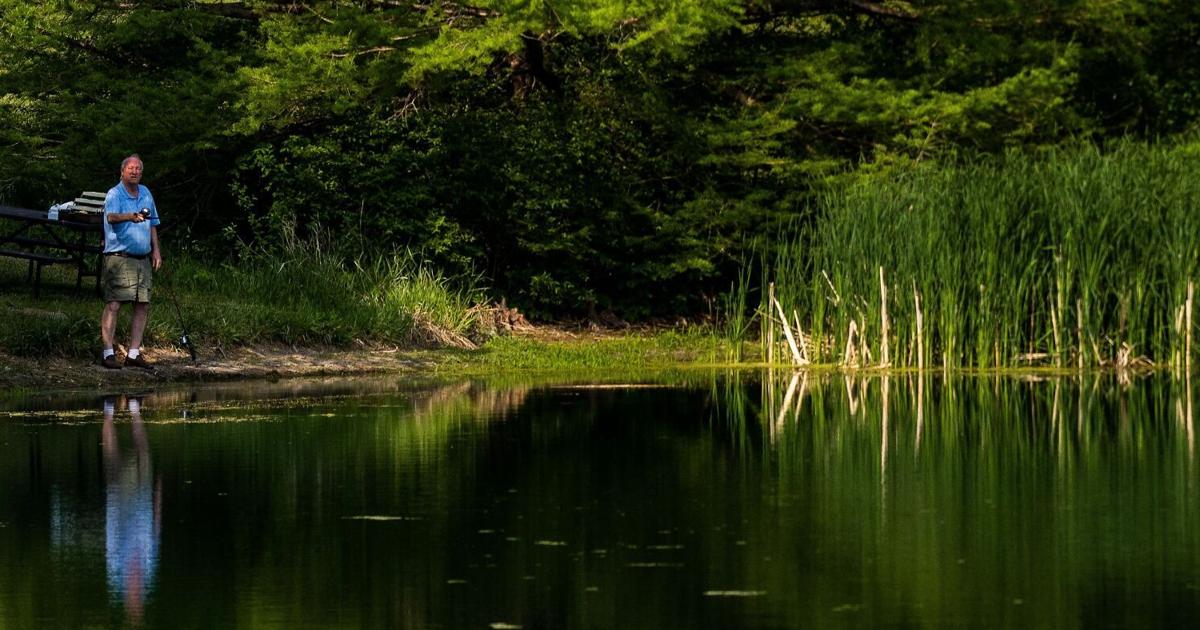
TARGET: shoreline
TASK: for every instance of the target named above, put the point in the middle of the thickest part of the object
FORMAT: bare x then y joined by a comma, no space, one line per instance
535,351
542,348
172,365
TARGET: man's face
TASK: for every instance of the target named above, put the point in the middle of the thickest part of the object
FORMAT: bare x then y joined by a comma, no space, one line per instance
131,175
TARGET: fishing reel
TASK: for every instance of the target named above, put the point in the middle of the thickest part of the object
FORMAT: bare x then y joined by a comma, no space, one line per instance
186,344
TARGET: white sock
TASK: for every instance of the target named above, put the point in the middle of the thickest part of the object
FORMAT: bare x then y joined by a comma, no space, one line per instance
134,352
135,405
108,352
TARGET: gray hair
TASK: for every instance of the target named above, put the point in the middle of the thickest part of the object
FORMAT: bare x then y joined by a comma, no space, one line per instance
129,159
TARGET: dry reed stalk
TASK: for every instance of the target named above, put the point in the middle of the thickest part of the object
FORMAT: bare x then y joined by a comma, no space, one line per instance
864,350
770,325
1187,342
1124,355
837,299
1057,342
884,359
920,334
800,338
787,332
1176,352
851,352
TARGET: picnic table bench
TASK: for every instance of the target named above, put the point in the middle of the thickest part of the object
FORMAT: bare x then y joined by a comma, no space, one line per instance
74,238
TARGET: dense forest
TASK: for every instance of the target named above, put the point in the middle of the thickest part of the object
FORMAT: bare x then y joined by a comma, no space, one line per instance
583,157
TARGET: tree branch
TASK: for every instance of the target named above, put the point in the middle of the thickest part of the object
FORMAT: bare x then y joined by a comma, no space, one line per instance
881,10
825,7
90,48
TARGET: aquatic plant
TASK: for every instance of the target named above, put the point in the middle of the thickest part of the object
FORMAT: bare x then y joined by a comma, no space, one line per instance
1075,257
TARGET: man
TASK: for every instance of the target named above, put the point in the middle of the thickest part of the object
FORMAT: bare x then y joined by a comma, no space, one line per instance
131,253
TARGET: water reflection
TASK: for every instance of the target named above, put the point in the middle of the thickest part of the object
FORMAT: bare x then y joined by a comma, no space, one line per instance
133,510
1069,413
742,500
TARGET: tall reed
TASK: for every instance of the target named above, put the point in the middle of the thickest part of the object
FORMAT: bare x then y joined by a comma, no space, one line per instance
1074,257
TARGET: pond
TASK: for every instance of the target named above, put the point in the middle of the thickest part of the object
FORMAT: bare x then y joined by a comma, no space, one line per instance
678,500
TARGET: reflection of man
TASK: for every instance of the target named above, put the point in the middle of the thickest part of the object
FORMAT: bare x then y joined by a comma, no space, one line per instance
133,515
131,253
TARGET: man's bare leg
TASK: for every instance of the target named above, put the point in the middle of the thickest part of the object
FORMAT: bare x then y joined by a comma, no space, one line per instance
141,312
108,323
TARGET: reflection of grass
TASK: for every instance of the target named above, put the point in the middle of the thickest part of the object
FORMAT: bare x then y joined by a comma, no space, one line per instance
1002,421
966,487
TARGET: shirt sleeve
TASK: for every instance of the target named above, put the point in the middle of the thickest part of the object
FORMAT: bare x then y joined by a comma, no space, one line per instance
111,204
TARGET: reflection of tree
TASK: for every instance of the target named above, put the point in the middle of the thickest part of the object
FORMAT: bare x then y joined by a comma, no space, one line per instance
133,517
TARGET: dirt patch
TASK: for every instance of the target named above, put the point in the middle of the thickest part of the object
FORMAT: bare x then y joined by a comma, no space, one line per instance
171,365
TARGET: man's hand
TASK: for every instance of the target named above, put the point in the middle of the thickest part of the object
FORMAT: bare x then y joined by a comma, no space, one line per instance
155,259
137,217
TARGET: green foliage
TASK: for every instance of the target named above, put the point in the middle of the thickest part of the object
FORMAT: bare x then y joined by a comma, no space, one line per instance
584,157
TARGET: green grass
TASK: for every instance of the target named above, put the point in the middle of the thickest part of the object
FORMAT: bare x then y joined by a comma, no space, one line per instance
309,299
625,352
1072,254
303,297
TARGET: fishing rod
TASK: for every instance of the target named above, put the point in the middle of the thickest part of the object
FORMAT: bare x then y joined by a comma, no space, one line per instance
184,341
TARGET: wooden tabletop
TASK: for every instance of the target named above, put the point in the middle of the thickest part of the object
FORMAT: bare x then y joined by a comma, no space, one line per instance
72,220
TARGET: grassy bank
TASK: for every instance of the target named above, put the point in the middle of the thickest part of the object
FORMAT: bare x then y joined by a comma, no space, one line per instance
321,306
1073,258
303,298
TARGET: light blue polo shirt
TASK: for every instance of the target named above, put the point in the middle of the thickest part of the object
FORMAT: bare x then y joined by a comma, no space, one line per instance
127,236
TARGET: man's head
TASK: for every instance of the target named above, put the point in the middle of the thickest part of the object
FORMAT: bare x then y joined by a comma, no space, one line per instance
131,171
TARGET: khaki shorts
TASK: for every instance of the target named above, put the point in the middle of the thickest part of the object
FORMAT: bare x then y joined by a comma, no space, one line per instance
126,279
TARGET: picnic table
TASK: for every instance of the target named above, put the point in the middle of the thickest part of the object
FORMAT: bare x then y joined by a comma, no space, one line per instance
72,239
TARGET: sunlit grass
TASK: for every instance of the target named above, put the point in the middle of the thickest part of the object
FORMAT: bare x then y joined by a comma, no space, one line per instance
622,352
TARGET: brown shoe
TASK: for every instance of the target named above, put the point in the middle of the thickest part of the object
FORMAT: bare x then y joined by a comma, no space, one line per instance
111,362
139,362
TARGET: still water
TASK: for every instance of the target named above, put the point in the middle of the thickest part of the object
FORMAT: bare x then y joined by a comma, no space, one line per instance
735,500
